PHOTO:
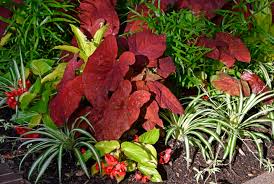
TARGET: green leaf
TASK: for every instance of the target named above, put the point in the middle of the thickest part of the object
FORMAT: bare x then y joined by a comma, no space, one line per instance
139,153
36,87
56,74
105,147
39,67
150,137
42,105
25,99
23,117
35,121
151,172
68,48
48,122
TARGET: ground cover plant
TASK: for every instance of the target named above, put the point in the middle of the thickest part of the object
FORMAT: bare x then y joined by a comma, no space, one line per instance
137,91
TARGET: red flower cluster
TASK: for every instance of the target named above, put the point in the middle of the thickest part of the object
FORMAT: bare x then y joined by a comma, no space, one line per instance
11,95
114,167
21,130
165,156
143,179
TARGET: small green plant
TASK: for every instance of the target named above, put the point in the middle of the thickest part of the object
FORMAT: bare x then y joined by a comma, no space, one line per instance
193,128
54,143
119,158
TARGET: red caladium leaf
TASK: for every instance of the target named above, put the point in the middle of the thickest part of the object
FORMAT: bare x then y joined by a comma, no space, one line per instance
92,10
226,48
256,84
230,85
70,72
6,14
236,47
166,67
103,73
66,101
206,7
148,44
152,117
165,98
121,112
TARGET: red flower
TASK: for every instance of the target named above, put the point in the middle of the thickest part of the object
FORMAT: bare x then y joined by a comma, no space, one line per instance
97,166
111,160
165,156
136,138
21,130
11,95
83,150
138,177
114,167
205,97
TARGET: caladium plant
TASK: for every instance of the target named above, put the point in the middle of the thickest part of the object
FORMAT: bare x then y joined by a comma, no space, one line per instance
112,86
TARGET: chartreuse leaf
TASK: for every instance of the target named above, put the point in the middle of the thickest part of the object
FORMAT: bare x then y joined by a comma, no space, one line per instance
35,120
150,137
105,147
139,153
27,97
4,40
151,172
56,74
42,105
86,47
48,122
39,67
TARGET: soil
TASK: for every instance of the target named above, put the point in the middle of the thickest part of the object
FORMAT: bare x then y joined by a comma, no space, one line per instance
244,167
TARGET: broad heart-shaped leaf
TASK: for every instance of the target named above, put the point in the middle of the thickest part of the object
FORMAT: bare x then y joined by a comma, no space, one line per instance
66,101
226,48
256,84
148,44
206,7
150,137
103,73
166,67
139,153
236,47
122,111
152,116
153,174
92,10
105,147
165,98
41,106
25,99
229,85
39,67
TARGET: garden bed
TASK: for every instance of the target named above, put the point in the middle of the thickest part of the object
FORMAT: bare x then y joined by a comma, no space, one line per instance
117,91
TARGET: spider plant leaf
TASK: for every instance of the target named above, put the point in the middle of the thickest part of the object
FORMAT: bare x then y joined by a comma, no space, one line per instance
201,137
258,143
94,152
81,161
232,146
187,147
45,165
170,132
60,156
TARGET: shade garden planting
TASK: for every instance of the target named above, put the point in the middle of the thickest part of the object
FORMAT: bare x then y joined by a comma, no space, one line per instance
135,91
